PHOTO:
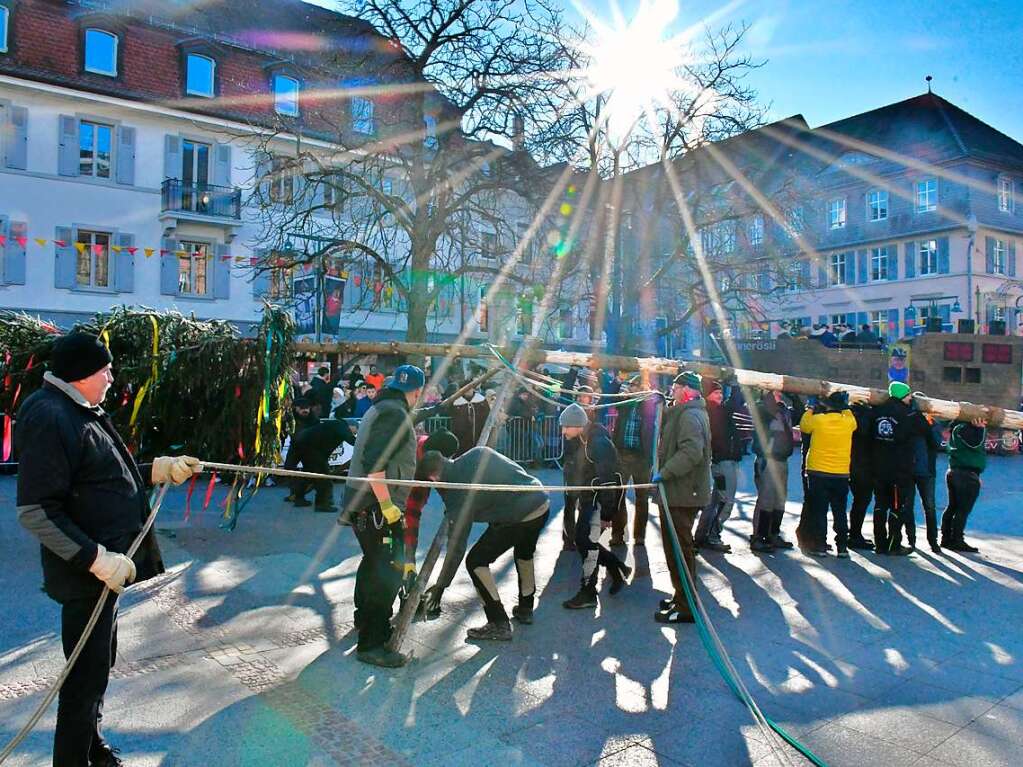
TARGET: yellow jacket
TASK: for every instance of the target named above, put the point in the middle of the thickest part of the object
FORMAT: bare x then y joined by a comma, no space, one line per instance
831,443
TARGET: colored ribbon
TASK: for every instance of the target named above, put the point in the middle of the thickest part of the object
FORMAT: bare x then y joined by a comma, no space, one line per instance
153,373
188,497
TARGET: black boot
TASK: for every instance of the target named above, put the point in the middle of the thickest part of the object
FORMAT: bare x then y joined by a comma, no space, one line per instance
585,597
523,611
101,754
619,576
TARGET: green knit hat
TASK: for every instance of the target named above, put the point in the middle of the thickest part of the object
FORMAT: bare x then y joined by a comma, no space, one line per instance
899,390
690,379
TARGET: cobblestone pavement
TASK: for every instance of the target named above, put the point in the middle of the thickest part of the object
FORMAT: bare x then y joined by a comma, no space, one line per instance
242,654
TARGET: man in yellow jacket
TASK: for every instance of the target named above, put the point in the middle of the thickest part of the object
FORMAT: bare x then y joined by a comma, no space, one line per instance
830,427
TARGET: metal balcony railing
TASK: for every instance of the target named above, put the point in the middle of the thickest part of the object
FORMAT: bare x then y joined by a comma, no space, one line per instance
202,199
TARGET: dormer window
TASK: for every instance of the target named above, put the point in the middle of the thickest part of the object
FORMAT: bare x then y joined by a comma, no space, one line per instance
285,95
100,52
362,115
200,74
5,22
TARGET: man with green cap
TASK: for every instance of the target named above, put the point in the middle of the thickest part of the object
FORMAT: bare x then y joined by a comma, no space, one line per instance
684,456
894,426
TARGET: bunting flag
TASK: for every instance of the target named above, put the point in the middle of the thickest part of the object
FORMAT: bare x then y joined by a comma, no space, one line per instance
80,247
41,242
3,240
131,250
148,251
22,241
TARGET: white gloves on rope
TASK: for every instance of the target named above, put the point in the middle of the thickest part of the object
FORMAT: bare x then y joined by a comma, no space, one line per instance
176,469
113,569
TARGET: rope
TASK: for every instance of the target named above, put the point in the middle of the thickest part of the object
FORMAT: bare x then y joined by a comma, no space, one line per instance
229,467
55,687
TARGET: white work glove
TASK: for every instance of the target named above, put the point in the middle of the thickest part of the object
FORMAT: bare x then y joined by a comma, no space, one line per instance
113,569
176,469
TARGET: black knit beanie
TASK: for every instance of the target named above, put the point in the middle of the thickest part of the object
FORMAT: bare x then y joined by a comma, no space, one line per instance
443,441
78,355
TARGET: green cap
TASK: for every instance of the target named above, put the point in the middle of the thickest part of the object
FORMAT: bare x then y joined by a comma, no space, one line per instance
899,390
690,379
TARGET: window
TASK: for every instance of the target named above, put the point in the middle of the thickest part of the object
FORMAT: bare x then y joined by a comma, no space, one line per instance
996,354
94,140
93,261
794,277
100,52
718,238
928,250
879,323
282,181
843,319
1006,202
877,205
797,222
200,73
193,268
280,282
836,269
836,213
482,310
362,115
952,374
487,171
927,195
566,327
958,351
430,140
524,318
878,264
999,256
5,17
387,185
971,375
756,232
285,95
522,229
488,246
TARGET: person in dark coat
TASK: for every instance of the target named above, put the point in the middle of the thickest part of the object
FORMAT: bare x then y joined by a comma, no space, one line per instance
773,445
594,464
312,448
321,391
634,438
861,475
727,449
967,459
468,413
302,412
924,444
81,493
354,376
895,424
585,398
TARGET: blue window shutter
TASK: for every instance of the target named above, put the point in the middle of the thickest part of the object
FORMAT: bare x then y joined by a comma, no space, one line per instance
261,276
861,261
822,275
804,273
943,260
850,268
172,167
893,262
805,322
946,314
68,156
64,257
862,318
222,165
222,272
125,159
16,146
1012,258
989,253
169,268
822,319
893,324
14,254
124,263
910,260
910,319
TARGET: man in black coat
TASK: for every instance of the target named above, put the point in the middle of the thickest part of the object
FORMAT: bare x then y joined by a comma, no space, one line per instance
322,390
634,438
861,475
82,495
312,448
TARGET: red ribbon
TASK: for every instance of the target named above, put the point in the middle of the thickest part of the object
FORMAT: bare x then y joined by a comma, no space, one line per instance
209,491
7,438
17,391
188,498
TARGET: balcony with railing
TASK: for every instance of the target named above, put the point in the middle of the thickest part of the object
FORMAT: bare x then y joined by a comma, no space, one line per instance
201,199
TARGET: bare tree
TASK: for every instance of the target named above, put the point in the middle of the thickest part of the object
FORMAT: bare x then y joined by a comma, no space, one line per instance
411,176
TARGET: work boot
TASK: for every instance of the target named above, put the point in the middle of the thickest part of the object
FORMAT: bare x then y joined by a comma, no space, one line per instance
381,656
523,614
901,551
859,542
777,541
586,597
761,545
618,578
289,498
665,604
962,546
617,540
102,754
301,503
719,546
326,509
491,631
674,615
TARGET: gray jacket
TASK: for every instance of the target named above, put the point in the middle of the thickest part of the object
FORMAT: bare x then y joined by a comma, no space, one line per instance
386,442
684,455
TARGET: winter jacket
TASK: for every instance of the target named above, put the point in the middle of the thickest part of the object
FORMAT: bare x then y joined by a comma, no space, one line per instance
321,394
725,440
482,465
684,454
322,439
966,448
78,486
376,379
647,425
894,426
831,448
593,461
386,442
862,441
467,419
777,442
925,452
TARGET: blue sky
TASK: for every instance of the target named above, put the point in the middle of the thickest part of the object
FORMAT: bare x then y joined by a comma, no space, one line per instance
829,59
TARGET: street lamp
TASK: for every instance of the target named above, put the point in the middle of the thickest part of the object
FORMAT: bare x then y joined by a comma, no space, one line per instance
932,303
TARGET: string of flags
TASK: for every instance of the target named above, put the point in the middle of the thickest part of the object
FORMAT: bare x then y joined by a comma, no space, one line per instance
97,249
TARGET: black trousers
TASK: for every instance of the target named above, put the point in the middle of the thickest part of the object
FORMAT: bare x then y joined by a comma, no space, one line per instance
963,491
893,510
378,578
80,705
316,464
862,486
925,489
494,542
827,492
572,501
593,554
635,465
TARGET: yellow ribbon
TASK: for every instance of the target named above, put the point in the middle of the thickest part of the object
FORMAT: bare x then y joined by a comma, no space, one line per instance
153,373
259,423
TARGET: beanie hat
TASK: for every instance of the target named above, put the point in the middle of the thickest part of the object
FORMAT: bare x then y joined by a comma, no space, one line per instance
899,390
574,416
709,385
690,379
838,400
443,441
78,355
407,378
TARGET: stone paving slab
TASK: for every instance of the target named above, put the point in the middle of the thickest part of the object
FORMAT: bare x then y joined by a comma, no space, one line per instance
242,655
